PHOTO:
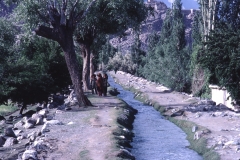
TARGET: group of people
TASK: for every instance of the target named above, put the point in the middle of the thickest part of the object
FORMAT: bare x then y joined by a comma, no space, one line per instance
99,84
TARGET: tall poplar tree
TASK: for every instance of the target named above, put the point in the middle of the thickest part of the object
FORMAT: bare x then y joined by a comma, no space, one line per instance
221,57
168,61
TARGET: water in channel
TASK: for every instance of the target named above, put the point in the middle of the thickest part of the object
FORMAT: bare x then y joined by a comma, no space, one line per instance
155,138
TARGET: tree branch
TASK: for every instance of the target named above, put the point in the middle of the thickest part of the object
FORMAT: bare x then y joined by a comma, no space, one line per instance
88,8
47,32
63,20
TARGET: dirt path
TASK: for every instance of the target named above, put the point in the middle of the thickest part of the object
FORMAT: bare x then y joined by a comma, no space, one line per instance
88,133
223,124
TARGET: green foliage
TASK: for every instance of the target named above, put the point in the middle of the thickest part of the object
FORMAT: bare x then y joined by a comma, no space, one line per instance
222,60
7,40
33,69
137,53
199,145
5,109
123,63
221,53
168,60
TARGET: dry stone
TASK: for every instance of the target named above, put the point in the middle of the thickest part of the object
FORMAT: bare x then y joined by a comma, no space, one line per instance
10,141
2,141
29,154
43,112
19,124
9,132
28,125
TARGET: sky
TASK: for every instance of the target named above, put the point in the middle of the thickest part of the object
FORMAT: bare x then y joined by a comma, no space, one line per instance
187,4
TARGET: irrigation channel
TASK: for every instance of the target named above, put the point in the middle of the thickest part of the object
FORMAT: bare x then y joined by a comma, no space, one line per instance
155,137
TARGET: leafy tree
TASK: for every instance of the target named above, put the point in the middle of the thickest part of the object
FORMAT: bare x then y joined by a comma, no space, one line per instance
123,63
168,61
58,21
31,71
208,10
7,40
137,53
108,17
199,75
221,56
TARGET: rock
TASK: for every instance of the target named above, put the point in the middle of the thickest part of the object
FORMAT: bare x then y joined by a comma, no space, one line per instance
32,136
61,107
54,122
28,125
126,154
29,154
178,113
22,136
49,117
39,145
113,92
9,132
10,141
43,112
39,121
68,109
2,118
19,124
2,141
194,129
29,113
17,132
38,118
45,128
207,102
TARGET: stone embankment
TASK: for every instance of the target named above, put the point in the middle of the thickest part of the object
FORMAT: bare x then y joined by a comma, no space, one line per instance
62,131
217,124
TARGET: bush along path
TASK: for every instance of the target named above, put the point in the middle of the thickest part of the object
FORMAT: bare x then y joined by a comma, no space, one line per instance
68,131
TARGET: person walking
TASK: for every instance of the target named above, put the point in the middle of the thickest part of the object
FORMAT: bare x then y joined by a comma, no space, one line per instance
99,84
105,84
93,84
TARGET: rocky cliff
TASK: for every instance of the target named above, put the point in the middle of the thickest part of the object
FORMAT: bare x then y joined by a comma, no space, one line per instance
152,24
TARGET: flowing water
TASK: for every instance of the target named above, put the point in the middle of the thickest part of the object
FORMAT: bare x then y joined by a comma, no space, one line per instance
155,138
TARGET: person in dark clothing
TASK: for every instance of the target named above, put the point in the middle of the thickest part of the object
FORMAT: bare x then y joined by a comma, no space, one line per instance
93,84
105,84
99,84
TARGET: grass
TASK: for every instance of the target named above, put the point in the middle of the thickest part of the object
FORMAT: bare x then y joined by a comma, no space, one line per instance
6,109
84,155
200,145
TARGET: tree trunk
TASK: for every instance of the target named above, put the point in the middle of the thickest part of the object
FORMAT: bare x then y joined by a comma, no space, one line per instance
86,67
73,68
92,69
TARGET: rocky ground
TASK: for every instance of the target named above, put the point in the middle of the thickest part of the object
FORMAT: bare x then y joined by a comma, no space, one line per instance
223,124
69,132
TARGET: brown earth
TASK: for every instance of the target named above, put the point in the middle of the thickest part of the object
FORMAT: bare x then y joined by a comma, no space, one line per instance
223,124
